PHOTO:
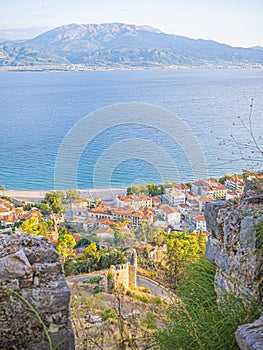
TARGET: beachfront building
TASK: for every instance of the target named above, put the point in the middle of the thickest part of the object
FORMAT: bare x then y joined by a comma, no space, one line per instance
235,183
78,207
209,187
134,201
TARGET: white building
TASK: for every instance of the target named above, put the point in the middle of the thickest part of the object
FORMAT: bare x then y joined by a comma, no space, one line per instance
171,215
200,223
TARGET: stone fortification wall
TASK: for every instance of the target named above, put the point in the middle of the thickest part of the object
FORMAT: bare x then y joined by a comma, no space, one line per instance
236,247
125,275
30,266
235,243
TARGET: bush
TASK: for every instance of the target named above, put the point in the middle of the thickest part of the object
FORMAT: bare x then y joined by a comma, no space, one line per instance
149,321
109,276
108,313
197,321
157,301
92,280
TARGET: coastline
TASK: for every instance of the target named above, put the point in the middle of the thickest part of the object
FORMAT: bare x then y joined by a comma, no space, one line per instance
104,194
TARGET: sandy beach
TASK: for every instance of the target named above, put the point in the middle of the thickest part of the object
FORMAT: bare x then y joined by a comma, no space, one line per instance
37,195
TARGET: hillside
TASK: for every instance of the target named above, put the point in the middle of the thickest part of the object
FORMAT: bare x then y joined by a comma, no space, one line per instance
117,45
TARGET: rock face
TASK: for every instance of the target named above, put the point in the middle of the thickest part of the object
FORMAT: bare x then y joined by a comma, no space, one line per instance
30,266
236,247
250,336
235,243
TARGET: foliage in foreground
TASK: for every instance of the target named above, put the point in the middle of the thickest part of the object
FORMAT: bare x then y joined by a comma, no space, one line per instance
197,321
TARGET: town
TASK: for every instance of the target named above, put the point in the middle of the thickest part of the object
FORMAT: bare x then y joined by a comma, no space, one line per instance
169,207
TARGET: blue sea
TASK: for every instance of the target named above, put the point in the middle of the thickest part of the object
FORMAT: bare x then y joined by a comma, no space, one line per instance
40,112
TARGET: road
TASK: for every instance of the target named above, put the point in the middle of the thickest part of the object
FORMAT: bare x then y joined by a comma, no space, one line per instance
142,281
156,289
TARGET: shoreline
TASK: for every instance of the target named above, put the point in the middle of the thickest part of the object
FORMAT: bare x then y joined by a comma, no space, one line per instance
105,194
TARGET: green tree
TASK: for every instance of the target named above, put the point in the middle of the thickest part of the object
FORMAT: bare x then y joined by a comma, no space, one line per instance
111,256
90,257
223,178
153,189
72,194
96,201
65,247
129,191
83,242
35,226
182,248
53,207
119,237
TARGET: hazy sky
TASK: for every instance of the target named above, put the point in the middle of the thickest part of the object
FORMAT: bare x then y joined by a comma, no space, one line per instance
234,22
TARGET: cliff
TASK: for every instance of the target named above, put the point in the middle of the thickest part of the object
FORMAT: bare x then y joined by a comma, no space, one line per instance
31,267
236,247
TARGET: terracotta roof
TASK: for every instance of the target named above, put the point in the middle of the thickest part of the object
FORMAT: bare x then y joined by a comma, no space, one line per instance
105,221
200,218
183,206
102,230
167,209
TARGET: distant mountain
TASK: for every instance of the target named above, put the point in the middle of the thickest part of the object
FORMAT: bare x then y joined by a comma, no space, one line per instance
120,45
23,57
257,47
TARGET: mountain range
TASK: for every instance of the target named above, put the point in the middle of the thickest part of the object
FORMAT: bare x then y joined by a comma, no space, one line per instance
117,46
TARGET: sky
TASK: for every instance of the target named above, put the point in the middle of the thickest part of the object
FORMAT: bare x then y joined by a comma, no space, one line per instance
233,22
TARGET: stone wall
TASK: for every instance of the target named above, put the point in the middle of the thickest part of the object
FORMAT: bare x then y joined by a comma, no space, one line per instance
125,275
236,247
132,261
30,266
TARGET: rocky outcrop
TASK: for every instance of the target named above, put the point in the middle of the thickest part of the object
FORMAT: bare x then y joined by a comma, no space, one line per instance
236,247
31,267
250,336
235,244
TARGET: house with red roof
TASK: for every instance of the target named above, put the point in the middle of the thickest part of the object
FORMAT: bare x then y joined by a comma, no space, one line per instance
134,201
200,223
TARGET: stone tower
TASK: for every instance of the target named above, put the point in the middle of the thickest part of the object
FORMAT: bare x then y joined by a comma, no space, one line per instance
131,256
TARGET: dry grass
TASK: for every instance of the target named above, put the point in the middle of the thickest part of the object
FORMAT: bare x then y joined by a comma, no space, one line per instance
130,324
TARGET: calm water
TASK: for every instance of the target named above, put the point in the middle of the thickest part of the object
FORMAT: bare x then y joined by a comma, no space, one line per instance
38,109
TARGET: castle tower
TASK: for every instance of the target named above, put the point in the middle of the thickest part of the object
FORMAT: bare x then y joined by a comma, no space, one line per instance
131,256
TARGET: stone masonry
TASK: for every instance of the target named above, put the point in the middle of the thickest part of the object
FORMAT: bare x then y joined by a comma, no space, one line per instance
235,246
125,275
30,266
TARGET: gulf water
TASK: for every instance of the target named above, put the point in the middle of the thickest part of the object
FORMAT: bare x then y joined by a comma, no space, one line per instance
39,109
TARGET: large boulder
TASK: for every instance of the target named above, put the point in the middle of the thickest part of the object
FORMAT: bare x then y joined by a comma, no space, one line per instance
250,336
31,269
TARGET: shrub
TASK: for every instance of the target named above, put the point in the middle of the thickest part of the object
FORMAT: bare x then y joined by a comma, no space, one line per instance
149,321
108,313
197,321
92,280
109,276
